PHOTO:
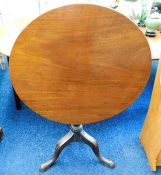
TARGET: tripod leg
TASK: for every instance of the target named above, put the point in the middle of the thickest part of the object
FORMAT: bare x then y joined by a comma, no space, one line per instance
63,142
86,138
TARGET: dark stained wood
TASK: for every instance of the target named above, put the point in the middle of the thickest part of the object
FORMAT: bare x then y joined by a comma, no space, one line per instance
80,64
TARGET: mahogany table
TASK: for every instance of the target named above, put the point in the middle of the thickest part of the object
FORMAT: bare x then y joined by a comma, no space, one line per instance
74,65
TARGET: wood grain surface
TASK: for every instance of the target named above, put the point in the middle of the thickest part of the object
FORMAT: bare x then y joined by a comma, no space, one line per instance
80,64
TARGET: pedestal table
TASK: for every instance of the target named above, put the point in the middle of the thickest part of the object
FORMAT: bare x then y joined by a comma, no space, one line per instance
80,64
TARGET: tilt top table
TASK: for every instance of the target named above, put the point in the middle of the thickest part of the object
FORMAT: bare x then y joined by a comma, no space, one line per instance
80,64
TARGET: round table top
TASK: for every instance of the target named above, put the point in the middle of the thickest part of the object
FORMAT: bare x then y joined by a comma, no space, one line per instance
80,64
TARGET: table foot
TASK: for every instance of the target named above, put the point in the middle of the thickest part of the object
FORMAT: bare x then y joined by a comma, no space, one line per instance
75,134
66,140
90,141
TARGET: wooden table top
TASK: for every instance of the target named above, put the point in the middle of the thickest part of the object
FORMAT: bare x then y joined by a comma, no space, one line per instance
80,64
10,31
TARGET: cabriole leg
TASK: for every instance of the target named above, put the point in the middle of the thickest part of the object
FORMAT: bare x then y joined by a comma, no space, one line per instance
76,134
66,140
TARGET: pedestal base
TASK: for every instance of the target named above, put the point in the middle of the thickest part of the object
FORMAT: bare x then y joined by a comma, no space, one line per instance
76,134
